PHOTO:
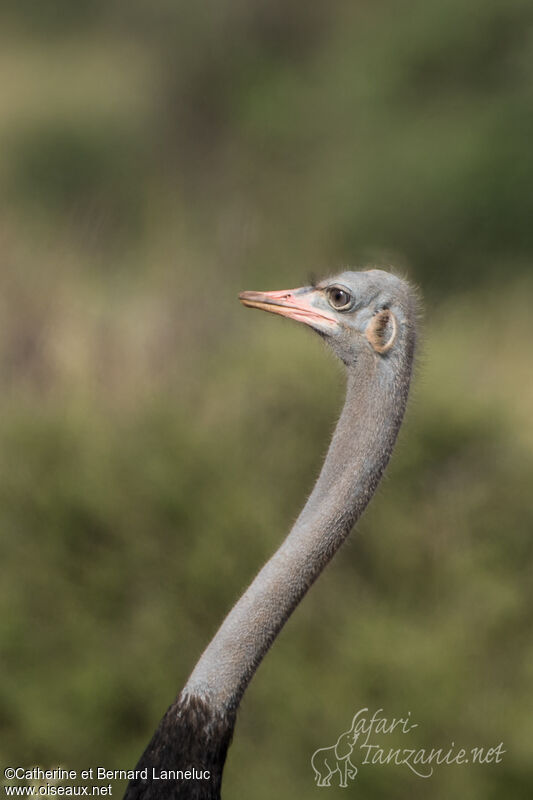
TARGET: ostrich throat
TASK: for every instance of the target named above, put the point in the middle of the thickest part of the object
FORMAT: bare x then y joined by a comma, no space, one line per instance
376,396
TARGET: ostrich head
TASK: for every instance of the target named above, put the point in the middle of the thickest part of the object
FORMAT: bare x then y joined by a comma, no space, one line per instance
351,311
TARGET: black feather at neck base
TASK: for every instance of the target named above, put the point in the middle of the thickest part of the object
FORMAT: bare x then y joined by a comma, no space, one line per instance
185,758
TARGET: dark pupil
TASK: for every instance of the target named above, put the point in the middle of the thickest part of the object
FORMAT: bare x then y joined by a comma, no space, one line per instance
340,298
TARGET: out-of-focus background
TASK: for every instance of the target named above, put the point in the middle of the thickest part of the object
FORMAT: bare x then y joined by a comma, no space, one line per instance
157,440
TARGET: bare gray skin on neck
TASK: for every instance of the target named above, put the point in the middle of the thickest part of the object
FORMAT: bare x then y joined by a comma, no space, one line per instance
377,388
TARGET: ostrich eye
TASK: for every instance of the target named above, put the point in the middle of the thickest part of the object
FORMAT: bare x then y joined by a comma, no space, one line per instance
339,298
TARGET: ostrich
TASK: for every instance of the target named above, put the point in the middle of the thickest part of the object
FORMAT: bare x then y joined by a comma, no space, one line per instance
368,319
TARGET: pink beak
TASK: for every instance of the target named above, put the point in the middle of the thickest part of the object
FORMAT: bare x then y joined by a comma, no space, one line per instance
293,303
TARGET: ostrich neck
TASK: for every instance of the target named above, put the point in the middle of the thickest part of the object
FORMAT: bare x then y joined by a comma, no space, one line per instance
359,451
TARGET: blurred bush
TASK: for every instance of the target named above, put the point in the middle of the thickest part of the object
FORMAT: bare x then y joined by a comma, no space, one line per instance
156,441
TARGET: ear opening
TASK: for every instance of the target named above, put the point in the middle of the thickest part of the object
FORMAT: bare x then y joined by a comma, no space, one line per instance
381,331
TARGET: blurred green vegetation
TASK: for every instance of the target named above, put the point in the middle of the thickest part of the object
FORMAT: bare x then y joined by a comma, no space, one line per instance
156,440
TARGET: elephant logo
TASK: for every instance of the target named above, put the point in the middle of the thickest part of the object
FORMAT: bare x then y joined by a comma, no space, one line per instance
326,761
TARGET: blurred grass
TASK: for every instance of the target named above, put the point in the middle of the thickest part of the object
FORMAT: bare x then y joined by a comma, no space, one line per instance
156,441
